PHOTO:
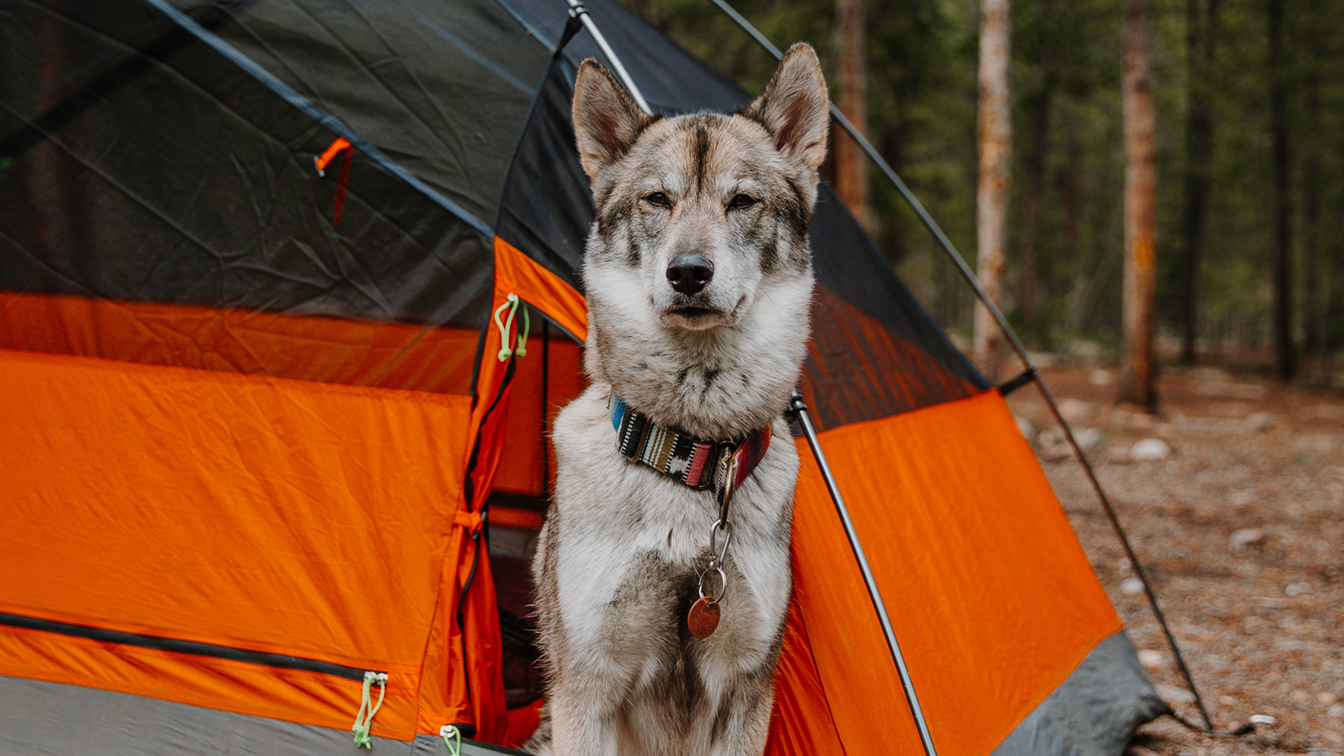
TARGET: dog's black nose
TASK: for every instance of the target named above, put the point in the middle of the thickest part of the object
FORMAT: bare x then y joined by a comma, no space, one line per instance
688,274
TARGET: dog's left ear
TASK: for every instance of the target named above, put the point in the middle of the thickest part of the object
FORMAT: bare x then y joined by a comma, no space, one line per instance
795,107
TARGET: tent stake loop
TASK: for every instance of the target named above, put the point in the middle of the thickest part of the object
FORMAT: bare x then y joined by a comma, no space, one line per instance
797,409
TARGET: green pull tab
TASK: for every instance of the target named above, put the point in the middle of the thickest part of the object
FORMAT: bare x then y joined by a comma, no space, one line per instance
364,719
452,738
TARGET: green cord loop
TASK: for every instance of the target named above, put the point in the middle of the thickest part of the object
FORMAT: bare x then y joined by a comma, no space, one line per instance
452,738
520,350
364,719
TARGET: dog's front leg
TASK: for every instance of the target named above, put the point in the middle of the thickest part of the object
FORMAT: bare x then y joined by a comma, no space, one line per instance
742,724
583,719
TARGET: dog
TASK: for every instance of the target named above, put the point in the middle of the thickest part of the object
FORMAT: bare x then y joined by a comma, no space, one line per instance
699,280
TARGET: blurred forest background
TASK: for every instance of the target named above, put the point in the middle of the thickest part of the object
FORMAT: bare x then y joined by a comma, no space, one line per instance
1215,78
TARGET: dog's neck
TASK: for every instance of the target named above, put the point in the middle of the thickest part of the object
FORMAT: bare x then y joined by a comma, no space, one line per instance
718,384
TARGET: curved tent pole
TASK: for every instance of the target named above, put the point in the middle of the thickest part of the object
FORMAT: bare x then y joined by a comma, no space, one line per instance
797,410
1030,373
577,10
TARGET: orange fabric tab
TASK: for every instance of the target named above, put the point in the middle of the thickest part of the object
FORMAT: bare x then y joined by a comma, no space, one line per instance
331,152
469,520
330,350
286,517
990,594
519,274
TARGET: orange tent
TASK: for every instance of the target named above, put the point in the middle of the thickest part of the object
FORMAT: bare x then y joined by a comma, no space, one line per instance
272,458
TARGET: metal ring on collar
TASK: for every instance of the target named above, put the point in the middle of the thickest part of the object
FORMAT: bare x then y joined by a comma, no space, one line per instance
723,584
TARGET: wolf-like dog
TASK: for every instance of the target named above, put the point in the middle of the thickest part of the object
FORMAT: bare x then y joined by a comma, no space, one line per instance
699,282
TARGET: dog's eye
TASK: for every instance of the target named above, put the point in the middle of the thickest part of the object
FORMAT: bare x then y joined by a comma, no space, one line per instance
742,200
659,199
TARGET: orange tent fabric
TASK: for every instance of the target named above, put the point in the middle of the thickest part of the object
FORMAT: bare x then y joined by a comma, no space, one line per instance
275,516
990,594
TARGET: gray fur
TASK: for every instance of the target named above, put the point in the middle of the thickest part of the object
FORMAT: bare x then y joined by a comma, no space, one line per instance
618,559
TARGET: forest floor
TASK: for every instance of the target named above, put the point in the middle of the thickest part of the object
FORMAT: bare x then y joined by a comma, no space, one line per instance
1238,517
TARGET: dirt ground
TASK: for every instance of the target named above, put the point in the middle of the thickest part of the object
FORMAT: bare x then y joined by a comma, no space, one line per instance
1233,499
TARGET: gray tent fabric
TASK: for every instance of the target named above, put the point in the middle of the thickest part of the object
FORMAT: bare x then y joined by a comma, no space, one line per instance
52,719
1095,711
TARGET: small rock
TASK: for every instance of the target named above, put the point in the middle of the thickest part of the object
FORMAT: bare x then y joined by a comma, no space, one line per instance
1245,537
1336,711
1131,586
1261,421
1088,438
1327,698
1152,659
1297,589
1242,498
1101,377
1055,452
1027,429
1074,410
1173,694
1300,696
1149,449
1263,719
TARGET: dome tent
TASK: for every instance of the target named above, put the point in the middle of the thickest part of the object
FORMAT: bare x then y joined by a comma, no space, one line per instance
258,432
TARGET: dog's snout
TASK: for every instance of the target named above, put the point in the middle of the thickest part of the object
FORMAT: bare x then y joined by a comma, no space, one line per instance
688,274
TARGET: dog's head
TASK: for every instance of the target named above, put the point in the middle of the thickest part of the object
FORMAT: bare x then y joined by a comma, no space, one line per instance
700,215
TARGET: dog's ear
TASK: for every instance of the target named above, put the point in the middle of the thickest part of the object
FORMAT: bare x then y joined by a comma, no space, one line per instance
606,120
795,107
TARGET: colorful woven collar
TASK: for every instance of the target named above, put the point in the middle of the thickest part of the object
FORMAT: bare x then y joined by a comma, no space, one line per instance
696,463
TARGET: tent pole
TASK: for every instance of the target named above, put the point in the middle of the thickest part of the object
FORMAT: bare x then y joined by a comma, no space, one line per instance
799,410
974,283
577,10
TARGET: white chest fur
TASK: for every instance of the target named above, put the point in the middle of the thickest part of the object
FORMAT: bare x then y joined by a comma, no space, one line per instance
634,542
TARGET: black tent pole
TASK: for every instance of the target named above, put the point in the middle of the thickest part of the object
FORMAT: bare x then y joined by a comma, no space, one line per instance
798,410
1016,343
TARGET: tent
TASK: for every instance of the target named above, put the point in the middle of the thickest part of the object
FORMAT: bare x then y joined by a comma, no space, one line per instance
273,419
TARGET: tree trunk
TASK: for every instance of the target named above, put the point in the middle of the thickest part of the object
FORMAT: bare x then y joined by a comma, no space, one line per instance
1201,40
992,194
1138,373
1285,360
851,165
1038,116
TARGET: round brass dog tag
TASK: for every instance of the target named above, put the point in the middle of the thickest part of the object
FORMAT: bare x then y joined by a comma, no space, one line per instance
703,618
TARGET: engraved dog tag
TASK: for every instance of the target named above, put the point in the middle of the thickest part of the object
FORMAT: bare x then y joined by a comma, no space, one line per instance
703,618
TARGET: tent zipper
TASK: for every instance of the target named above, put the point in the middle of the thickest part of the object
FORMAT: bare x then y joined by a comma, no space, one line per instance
368,678
193,648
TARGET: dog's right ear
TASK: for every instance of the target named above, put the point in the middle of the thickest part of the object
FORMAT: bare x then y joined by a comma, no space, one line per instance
606,120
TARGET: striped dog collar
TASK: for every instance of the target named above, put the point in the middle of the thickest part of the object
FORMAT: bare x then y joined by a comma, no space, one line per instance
696,463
